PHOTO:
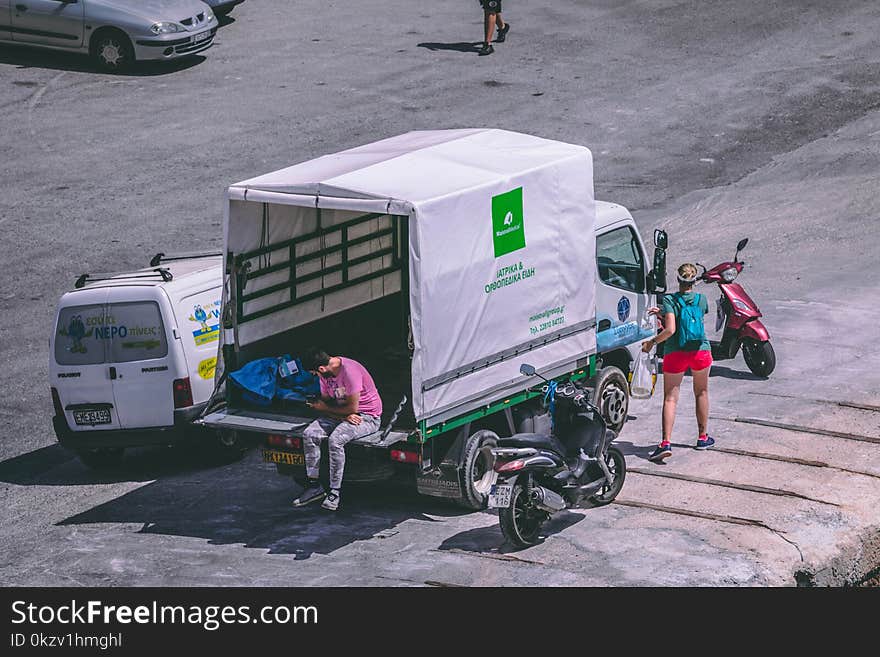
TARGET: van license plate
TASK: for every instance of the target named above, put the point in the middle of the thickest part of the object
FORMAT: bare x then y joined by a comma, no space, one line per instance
287,458
198,38
92,417
499,496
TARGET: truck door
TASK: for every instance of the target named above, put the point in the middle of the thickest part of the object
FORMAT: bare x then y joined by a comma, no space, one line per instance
622,299
79,371
48,22
144,368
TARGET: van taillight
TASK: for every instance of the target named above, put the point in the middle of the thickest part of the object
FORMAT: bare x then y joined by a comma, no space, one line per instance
183,395
56,402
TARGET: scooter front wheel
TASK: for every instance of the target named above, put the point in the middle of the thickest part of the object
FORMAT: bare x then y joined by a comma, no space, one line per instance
521,521
759,356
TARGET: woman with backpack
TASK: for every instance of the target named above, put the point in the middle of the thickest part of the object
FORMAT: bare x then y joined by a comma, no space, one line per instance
685,347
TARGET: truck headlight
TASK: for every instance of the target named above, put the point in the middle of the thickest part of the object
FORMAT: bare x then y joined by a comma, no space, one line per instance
165,27
729,274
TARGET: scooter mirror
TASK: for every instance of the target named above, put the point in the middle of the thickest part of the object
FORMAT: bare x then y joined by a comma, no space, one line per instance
526,369
742,244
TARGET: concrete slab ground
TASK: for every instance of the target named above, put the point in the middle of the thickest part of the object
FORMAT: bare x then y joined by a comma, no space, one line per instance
715,121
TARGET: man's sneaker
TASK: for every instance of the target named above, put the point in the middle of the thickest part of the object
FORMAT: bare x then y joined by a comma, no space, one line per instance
502,33
332,501
705,443
313,493
487,49
662,452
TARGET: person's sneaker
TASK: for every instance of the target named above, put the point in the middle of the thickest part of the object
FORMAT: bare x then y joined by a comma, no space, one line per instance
331,503
662,452
705,442
502,33
487,49
313,493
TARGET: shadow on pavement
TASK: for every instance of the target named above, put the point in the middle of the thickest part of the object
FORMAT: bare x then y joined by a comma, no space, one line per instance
728,373
490,539
462,46
56,466
249,504
629,449
24,56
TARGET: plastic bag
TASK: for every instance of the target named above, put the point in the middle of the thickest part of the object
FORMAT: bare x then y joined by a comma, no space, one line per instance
644,376
644,373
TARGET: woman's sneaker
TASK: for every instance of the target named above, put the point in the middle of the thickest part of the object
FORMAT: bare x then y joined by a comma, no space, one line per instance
663,451
705,442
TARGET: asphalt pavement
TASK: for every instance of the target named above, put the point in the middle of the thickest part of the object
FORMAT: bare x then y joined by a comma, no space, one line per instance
715,121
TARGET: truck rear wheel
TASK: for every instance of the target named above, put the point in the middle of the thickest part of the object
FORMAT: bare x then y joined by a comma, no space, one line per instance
612,397
474,467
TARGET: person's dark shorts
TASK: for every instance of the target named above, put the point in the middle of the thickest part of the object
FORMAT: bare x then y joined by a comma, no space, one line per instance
492,6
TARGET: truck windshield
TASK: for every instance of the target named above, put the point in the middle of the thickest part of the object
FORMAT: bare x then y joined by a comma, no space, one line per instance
76,339
620,259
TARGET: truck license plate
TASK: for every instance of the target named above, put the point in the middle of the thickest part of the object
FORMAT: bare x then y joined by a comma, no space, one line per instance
92,416
499,496
287,458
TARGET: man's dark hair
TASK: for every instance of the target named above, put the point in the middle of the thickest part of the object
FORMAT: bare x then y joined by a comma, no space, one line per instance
315,358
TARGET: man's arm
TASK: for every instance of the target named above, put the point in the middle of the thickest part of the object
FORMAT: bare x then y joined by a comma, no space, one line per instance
343,410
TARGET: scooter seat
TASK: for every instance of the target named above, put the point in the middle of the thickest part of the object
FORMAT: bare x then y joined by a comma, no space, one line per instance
535,440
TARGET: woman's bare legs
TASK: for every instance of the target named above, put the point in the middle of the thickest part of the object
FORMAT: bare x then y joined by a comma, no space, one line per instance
701,395
671,388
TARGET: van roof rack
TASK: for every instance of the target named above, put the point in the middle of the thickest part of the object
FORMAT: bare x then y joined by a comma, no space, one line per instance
160,257
161,272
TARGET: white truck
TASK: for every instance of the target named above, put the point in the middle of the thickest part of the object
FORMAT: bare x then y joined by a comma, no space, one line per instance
441,260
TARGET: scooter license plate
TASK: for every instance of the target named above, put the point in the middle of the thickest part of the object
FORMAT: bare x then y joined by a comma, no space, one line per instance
499,496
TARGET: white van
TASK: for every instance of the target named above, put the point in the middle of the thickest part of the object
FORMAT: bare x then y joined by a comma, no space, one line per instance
132,356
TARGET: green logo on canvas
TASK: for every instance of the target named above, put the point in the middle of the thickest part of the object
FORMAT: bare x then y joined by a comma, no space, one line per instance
508,233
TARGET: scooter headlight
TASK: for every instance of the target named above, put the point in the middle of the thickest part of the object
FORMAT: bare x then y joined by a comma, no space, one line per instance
729,274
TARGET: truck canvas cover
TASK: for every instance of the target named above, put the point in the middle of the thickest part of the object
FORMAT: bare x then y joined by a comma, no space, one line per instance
500,241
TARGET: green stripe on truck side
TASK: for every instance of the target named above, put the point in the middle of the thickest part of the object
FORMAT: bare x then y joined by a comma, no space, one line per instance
426,432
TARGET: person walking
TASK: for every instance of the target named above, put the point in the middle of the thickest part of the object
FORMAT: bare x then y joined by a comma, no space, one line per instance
491,18
686,347
350,408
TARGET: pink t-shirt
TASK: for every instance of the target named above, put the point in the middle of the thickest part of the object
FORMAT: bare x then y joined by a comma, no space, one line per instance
353,378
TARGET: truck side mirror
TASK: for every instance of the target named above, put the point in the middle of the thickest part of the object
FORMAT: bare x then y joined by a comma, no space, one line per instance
660,238
657,276
526,370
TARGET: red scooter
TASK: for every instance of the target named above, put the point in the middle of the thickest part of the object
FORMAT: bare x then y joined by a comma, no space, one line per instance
738,315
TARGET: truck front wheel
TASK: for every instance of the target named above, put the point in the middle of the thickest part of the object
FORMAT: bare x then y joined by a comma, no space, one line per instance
612,397
474,467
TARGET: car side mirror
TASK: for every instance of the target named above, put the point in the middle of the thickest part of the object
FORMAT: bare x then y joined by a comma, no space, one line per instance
526,370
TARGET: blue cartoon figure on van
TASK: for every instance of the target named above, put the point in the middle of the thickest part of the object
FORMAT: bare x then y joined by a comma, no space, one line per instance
206,332
200,316
623,309
76,331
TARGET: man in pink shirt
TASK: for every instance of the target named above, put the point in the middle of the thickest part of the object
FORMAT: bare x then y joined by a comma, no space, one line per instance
350,408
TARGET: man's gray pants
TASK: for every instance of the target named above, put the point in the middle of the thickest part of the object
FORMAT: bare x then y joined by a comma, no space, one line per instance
337,433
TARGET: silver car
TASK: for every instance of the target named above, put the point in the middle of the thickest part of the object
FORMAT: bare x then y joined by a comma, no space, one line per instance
115,33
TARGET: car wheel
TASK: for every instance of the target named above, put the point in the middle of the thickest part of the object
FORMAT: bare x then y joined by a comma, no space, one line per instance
112,51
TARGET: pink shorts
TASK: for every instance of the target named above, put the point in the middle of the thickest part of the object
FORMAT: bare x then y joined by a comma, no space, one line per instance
678,362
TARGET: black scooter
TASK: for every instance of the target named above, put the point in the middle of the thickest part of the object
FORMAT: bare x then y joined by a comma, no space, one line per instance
531,476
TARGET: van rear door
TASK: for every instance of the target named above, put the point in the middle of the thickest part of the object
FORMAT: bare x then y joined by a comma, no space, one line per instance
144,363
198,316
78,368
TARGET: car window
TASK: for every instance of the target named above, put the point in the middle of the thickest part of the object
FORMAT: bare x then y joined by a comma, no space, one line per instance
620,261
76,335
135,331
